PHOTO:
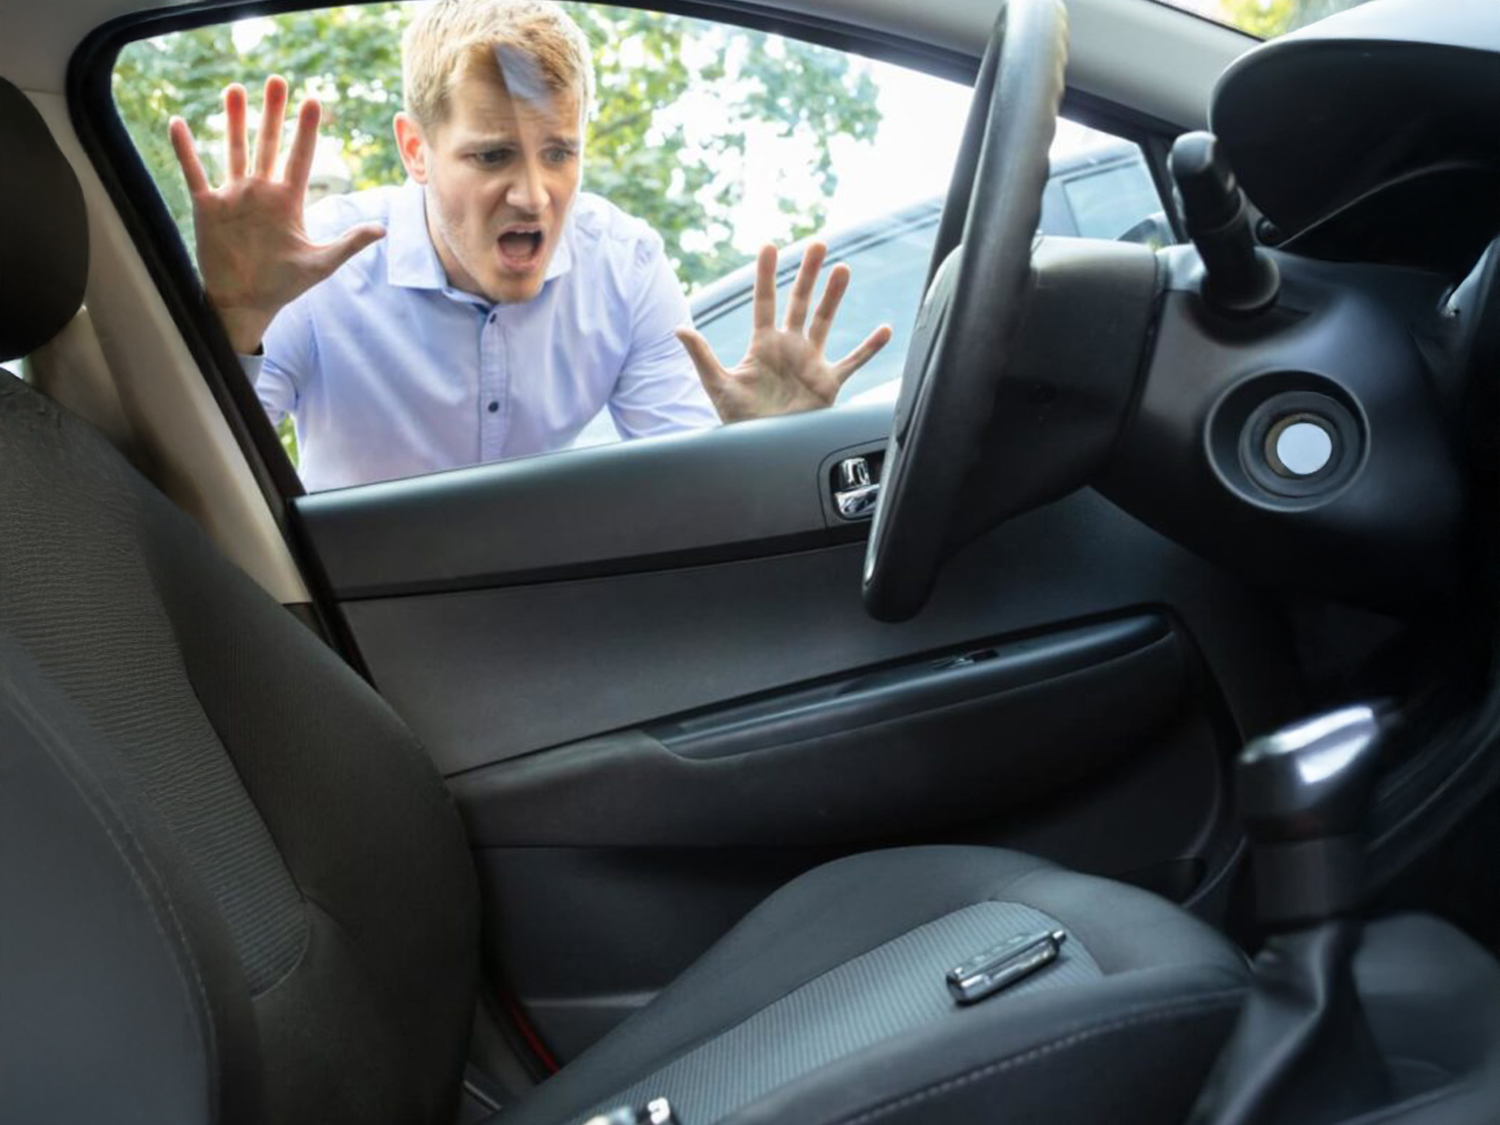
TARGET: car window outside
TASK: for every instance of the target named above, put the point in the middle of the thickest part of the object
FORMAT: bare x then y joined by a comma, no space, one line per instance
890,265
1106,191
1110,202
1264,18
719,138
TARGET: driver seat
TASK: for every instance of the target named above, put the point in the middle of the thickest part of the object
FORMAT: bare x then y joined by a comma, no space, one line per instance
235,889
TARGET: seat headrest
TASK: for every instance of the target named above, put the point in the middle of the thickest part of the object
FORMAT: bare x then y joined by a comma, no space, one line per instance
44,234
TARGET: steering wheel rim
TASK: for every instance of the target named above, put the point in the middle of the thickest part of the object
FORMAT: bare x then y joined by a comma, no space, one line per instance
975,303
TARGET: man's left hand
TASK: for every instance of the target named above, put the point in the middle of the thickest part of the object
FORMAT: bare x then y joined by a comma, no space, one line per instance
785,370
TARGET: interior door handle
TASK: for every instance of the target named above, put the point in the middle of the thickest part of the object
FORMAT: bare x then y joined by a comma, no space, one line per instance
856,493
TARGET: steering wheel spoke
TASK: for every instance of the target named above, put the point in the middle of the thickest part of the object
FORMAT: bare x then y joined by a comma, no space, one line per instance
975,304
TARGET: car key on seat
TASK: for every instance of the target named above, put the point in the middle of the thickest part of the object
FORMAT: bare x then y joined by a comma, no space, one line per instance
1003,965
658,1111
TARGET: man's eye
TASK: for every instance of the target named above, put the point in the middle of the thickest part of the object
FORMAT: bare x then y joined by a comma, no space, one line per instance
559,155
490,157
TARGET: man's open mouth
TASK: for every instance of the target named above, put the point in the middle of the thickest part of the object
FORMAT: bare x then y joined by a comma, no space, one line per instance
521,249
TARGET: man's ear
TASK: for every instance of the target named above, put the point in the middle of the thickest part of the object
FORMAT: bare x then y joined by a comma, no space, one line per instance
412,146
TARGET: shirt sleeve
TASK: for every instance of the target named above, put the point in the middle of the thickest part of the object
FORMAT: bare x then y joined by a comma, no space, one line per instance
278,375
658,391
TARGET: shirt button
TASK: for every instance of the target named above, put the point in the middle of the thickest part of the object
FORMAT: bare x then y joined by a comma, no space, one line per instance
494,407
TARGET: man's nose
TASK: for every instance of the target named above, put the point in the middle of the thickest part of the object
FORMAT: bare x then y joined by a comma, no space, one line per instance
528,190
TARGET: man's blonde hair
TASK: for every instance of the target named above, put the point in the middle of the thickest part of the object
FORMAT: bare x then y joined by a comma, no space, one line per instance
530,46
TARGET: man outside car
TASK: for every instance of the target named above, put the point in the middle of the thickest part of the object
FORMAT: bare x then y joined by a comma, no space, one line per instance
488,308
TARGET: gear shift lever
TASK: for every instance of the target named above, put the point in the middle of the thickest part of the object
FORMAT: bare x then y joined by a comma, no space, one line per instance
1303,795
1302,1053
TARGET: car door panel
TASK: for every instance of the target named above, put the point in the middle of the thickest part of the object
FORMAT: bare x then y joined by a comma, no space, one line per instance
577,605
675,627
745,490
922,746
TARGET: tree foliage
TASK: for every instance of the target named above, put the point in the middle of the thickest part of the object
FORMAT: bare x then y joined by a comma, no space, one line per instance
660,79
1268,18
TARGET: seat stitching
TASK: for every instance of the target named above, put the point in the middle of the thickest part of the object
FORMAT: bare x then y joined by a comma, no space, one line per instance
1135,1018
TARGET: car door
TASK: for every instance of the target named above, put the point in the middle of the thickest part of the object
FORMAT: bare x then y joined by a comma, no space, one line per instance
645,670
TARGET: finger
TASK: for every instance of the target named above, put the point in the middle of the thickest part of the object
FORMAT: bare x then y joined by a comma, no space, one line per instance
862,354
331,255
234,131
765,288
828,307
272,117
299,161
710,371
802,288
187,156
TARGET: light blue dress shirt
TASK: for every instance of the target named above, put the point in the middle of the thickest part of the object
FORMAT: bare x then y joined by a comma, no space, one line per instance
389,372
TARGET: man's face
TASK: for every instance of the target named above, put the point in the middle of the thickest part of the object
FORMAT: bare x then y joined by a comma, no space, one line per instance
501,175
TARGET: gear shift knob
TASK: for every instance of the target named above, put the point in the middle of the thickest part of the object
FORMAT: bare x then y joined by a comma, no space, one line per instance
1303,795
1303,1053
1312,779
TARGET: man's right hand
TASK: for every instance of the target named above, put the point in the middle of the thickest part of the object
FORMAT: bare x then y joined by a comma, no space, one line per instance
253,252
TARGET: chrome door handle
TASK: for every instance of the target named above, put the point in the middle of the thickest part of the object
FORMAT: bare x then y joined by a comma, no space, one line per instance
856,495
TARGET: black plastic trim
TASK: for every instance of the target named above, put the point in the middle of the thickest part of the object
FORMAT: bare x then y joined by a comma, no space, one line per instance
904,690
870,770
743,491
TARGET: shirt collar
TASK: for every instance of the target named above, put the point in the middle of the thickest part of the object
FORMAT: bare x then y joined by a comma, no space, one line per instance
412,261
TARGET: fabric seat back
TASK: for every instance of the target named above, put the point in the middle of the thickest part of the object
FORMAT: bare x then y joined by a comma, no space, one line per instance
308,834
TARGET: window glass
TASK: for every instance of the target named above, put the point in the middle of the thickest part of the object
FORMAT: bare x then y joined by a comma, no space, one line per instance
1106,192
14,367
891,265
427,350
1265,18
1109,202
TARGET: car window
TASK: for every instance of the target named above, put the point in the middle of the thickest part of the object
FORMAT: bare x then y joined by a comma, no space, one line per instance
889,263
1112,201
1106,191
890,269
1264,18
705,142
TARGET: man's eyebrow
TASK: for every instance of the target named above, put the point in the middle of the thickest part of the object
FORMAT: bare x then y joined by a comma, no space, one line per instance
496,140
491,140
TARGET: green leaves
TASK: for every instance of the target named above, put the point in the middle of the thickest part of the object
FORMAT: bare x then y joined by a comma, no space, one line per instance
682,105
1269,18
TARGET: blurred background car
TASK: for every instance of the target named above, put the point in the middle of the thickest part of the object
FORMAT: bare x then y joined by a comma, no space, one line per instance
1103,191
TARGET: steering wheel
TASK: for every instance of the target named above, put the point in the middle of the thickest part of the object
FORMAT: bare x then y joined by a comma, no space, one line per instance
976,298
